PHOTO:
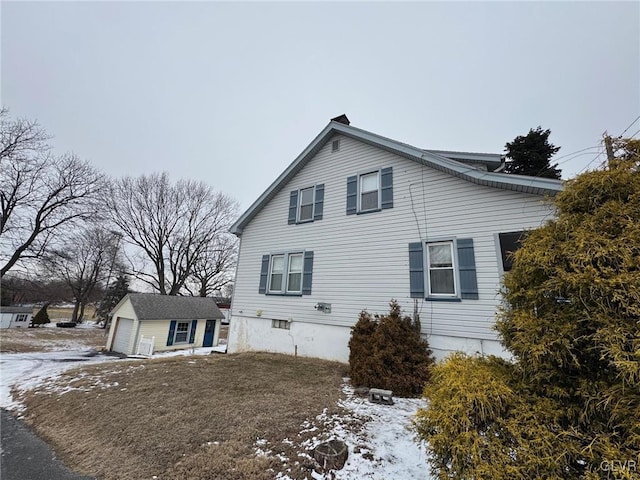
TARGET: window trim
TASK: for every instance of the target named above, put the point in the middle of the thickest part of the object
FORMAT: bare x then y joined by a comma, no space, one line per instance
379,191
284,270
429,295
313,205
188,332
301,255
285,276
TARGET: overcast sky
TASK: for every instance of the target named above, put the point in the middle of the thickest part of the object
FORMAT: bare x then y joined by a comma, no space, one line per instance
231,93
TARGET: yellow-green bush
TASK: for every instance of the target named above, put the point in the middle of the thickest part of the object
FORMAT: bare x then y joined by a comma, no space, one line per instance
568,405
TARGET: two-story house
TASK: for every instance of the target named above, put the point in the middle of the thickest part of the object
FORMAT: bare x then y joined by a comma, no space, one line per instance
358,219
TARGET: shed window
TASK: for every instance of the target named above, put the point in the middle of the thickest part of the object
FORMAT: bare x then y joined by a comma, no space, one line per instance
182,332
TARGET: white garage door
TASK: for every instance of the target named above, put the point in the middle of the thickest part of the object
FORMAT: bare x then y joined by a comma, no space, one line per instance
123,334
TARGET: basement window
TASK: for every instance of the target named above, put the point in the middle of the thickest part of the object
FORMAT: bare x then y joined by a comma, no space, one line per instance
283,324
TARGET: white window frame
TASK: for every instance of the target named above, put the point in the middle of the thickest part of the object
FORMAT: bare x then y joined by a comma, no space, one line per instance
289,272
299,219
360,192
284,273
284,290
454,267
21,317
175,333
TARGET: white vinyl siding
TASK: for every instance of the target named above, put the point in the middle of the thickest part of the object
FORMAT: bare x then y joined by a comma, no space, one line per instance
361,262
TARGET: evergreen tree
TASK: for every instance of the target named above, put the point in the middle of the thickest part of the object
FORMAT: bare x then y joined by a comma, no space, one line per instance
531,155
568,404
41,317
387,352
115,292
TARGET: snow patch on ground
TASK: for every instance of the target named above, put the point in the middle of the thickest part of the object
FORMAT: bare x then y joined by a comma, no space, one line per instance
381,442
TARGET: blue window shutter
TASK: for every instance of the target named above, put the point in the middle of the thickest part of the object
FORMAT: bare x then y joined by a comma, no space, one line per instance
264,273
293,207
307,272
172,332
416,270
352,195
192,333
467,268
319,202
386,184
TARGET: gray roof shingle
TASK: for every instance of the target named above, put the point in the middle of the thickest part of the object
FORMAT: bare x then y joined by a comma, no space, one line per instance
150,306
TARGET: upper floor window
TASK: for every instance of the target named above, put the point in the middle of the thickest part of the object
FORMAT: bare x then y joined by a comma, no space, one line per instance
306,204
370,191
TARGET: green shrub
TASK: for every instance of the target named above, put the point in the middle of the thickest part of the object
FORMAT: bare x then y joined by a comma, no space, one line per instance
568,405
387,352
41,317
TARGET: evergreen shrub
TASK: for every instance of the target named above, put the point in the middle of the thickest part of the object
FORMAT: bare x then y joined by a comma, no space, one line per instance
387,352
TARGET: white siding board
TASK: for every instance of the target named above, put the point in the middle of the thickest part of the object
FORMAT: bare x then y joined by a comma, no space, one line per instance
361,261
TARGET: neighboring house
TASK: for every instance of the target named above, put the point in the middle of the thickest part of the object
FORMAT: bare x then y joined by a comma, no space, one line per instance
357,220
172,322
224,304
15,317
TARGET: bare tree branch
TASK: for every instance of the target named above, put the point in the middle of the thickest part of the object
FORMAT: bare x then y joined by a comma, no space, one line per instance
171,225
39,193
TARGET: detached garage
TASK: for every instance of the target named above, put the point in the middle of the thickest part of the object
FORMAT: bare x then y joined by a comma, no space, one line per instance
146,322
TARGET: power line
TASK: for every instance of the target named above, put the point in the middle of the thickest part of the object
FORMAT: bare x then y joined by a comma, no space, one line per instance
625,130
600,153
577,151
637,132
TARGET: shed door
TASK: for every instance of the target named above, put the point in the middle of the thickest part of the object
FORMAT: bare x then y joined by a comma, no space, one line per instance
123,335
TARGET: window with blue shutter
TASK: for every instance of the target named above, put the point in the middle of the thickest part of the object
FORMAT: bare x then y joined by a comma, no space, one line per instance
319,203
286,273
264,274
467,269
436,273
416,270
386,188
352,195
370,191
192,333
172,332
307,273
293,207
306,205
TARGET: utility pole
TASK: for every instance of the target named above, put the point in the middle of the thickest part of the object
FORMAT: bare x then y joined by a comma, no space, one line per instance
608,145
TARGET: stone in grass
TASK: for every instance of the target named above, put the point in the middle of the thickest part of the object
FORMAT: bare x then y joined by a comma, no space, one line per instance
331,455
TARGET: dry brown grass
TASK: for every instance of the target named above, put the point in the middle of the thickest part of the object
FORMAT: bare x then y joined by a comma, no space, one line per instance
64,312
187,417
22,340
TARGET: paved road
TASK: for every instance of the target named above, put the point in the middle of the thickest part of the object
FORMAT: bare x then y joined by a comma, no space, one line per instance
24,456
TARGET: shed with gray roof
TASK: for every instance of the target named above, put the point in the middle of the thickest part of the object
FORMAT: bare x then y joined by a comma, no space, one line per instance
144,323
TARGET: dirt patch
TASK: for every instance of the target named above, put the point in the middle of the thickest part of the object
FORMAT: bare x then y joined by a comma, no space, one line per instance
45,339
201,417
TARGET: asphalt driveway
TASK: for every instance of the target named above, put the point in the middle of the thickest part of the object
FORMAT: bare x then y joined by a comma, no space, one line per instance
24,456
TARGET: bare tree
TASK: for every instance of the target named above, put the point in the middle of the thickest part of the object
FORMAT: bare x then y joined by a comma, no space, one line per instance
40,194
214,269
170,226
82,264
